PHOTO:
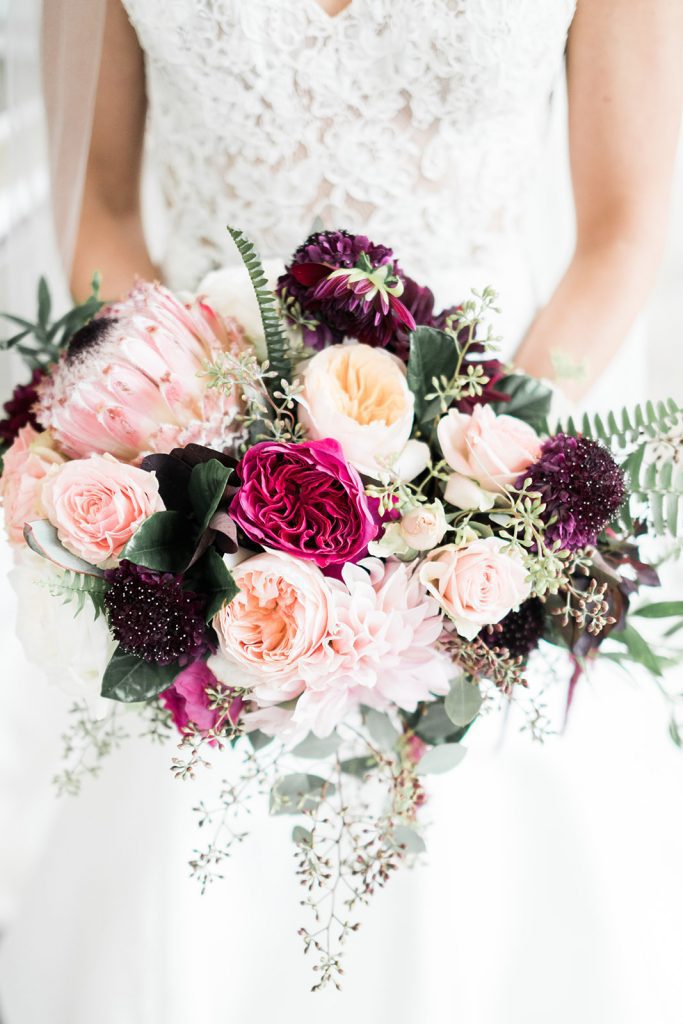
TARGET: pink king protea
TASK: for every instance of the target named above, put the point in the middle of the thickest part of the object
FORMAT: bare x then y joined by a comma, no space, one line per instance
132,380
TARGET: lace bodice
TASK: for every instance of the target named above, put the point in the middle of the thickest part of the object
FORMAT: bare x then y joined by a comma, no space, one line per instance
419,121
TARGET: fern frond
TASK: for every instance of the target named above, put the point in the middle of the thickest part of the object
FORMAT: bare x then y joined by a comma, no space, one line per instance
657,487
76,587
276,339
648,421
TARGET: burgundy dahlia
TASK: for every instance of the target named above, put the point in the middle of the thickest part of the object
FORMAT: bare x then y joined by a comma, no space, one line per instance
582,488
19,409
419,301
519,632
153,617
340,286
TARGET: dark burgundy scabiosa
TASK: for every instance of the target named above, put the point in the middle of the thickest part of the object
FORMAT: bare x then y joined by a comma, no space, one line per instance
520,630
581,485
340,286
153,617
19,409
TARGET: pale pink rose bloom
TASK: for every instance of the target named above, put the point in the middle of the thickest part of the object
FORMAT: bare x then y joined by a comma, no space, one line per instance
385,647
485,448
25,466
477,584
275,634
97,504
139,384
359,396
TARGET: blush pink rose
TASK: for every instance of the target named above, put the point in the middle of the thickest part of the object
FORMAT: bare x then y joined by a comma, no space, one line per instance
485,448
97,504
477,584
275,634
25,466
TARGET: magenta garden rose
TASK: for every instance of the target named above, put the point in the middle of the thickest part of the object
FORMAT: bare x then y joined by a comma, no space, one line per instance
303,499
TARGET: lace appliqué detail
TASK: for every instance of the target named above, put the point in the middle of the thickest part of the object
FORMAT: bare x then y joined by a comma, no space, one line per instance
417,121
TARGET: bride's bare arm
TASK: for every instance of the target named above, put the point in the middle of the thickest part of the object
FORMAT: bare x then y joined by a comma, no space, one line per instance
110,237
625,80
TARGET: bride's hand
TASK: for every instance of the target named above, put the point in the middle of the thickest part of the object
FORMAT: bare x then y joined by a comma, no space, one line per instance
625,81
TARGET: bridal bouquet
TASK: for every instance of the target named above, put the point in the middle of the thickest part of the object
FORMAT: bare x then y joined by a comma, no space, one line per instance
318,521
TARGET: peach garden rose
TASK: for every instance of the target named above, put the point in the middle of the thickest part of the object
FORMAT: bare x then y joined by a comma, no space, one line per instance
276,632
476,584
97,504
359,396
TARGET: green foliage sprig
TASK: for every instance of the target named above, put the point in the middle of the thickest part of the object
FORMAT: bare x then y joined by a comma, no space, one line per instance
79,587
40,343
277,342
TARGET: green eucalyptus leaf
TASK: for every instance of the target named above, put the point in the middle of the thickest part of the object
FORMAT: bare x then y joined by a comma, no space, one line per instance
44,303
41,537
659,610
210,576
129,679
441,759
316,747
529,399
358,766
165,542
381,728
434,726
258,739
206,489
293,794
10,342
463,701
638,648
432,354
302,836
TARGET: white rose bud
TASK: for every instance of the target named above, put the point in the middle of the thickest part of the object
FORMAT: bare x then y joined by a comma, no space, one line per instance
424,526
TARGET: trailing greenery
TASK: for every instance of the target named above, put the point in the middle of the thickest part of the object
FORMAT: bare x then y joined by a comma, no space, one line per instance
41,343
276,338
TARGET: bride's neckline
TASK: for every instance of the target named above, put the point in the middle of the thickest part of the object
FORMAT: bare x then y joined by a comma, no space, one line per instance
326,14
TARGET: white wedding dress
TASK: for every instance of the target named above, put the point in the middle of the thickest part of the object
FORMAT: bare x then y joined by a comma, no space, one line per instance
551,888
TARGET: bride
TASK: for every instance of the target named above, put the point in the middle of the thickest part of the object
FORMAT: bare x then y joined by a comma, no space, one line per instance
427,125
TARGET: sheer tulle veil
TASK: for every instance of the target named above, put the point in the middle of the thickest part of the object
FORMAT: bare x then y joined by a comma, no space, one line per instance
53,56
